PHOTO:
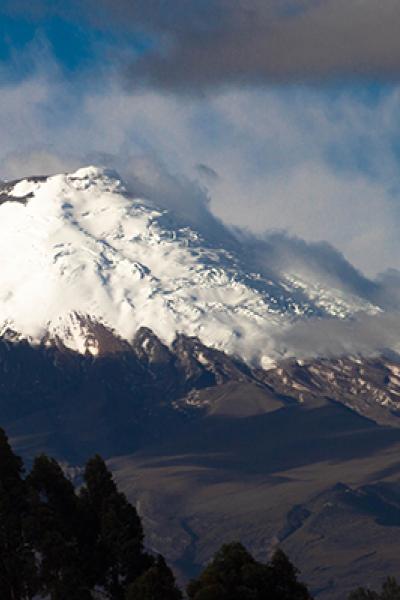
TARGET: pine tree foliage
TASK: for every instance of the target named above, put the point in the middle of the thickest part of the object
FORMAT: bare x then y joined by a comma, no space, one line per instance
17,562
54,529
390,590
58,544
234,574
157,583
119,545
284,577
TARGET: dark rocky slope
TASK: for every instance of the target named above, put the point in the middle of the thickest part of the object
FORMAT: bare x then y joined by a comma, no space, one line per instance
213,450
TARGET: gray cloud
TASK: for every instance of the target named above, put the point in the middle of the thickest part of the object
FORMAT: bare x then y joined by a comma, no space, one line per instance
278,253
365,335
257,41
41,161
275,153
198,45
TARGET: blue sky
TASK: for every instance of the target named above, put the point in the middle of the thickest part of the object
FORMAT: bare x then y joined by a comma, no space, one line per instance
76,45
307,147
72,46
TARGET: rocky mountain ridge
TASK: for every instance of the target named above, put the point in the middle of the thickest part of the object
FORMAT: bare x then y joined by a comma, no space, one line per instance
125,394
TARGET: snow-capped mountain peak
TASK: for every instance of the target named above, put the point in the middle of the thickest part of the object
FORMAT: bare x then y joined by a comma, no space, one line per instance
78,249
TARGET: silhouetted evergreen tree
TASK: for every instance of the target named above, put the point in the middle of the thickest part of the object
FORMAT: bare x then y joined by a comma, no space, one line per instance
157,583
120,535
224,575
55,530
390,590
234,574
17,561
284,576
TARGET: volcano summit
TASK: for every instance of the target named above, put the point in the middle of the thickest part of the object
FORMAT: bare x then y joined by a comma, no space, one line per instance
79,247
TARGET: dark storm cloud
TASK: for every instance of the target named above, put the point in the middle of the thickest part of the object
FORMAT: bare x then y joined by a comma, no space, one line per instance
259,41
202,43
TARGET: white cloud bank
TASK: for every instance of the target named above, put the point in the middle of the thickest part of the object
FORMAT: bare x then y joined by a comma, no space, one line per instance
317,165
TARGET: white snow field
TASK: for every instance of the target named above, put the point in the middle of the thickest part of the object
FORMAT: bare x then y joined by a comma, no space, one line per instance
78,245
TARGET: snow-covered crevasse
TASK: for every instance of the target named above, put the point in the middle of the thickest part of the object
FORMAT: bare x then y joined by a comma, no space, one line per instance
79,244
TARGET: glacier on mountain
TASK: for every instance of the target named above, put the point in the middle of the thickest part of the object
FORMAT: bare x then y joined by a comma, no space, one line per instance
79,245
